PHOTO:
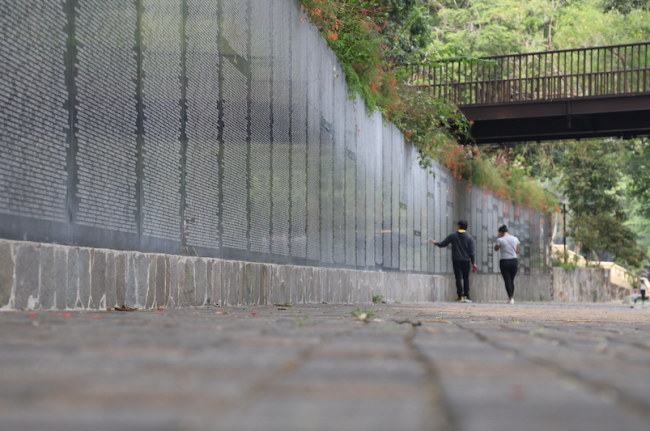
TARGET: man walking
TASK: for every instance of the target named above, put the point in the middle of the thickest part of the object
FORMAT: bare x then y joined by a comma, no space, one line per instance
642,289
462,253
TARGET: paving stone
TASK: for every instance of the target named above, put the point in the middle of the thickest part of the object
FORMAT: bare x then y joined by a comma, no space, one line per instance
530,366
27,276
6,272
98,280
48,279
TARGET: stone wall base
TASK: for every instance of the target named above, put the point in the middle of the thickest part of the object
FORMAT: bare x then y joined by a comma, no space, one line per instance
47,276
586,285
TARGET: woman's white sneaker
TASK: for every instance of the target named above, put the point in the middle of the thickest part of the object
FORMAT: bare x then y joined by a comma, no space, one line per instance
512,301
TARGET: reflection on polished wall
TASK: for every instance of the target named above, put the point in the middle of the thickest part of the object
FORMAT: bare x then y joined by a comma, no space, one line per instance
218,129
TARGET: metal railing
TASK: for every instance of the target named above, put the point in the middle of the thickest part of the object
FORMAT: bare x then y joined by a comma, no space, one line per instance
540,76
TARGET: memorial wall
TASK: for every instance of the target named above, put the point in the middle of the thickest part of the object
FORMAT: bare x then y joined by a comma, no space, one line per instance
217,128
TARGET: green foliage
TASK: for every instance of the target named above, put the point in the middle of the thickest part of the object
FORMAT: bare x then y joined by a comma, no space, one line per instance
300,320
408,34
626,6
591,174
638,169
364,315
371,38
584,23
496,27
567,266
602,233
605,182
502,171
377,299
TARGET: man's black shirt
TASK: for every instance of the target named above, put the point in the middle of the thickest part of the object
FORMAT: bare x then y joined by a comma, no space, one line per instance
462,246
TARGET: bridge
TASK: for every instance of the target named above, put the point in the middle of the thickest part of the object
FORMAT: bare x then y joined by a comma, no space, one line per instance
569,94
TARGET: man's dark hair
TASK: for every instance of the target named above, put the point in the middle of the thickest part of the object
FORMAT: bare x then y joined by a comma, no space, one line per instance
462,224
503,229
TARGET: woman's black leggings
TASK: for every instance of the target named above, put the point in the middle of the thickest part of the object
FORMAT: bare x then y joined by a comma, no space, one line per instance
509,270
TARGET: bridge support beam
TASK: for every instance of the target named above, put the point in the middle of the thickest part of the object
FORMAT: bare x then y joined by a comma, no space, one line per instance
614,116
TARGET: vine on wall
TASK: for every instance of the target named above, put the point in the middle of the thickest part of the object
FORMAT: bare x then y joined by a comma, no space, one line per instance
371,38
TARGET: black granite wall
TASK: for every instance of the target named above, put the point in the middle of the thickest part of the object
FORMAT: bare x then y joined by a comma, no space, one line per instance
216,128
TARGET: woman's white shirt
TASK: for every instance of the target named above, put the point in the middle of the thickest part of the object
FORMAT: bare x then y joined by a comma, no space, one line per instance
508,247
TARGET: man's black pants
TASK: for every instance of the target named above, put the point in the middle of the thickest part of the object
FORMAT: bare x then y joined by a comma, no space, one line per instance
461,269
508,271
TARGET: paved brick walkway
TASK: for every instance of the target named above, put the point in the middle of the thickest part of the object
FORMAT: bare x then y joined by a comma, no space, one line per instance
421,367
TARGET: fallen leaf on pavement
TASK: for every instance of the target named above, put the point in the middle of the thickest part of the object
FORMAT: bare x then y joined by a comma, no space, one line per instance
221,312
125,308
34,315
437,321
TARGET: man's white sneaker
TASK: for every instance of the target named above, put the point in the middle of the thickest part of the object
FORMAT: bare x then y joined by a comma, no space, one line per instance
512,301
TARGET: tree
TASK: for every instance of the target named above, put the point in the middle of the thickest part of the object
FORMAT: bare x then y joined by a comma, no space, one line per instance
495,27
408,34
602,233
626,6
591,173
639,171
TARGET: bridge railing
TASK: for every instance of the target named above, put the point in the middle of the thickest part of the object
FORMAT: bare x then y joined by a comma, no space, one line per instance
552,75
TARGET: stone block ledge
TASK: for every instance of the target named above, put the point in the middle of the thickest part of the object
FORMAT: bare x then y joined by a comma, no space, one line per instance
47,276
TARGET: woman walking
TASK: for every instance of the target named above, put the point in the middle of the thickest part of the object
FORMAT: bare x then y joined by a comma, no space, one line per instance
508,245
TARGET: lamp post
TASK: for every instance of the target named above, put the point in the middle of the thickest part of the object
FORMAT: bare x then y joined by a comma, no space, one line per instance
564,221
